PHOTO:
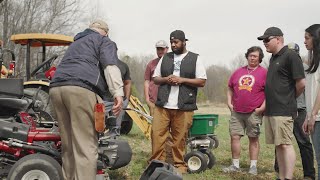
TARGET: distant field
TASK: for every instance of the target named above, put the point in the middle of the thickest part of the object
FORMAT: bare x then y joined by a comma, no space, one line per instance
141,152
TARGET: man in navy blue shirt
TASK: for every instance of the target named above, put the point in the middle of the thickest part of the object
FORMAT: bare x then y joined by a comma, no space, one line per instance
87,73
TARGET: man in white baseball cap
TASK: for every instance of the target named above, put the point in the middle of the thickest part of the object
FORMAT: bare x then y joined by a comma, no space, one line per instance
151,89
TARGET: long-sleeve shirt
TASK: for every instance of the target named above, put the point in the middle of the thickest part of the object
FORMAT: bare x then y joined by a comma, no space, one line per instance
311,90
114,80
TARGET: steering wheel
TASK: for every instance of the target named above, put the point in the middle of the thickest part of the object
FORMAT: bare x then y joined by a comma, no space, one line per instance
48,61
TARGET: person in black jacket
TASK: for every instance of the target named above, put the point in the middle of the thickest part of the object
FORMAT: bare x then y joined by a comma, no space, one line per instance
87,73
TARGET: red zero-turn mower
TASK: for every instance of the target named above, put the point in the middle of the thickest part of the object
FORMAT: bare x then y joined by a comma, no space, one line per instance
29,152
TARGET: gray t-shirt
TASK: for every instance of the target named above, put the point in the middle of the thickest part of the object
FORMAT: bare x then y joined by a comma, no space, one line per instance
301,100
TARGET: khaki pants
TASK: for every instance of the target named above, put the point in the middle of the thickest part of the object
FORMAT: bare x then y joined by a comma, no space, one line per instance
245,122
167,154
151,109
179,122
74,107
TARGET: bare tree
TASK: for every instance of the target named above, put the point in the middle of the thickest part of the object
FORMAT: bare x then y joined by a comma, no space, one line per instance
216,84
50,16
137,66
37,16
239,61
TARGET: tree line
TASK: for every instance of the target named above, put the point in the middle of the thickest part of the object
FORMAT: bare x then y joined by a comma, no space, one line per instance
62,17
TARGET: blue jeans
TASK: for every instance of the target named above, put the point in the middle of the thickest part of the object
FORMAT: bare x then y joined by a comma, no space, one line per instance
316,144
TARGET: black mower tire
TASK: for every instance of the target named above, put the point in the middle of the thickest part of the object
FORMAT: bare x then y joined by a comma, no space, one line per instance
211,159
126,124
32,164
196,161
215,142
43,96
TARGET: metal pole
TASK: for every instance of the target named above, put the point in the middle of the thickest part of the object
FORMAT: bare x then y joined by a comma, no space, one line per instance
43,52
1,61
28,60
44,55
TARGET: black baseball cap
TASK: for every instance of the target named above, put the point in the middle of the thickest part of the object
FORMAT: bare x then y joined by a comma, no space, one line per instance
178,34
271,31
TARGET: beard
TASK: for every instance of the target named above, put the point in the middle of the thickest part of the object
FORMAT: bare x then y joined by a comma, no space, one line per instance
178,50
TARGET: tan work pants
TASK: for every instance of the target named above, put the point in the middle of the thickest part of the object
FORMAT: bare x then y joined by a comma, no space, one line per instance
179,122
74,107
167,154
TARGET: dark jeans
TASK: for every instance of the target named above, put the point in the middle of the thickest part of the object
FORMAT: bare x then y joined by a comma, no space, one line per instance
316,144
305,146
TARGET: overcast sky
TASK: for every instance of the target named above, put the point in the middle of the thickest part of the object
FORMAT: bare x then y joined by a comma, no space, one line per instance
217,30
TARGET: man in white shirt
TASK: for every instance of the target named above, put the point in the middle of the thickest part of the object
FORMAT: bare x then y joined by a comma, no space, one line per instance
178,74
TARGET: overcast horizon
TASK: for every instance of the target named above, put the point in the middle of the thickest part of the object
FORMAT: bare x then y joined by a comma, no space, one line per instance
217,30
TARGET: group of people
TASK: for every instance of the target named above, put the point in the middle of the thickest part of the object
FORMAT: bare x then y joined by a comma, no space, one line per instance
285,98
91,72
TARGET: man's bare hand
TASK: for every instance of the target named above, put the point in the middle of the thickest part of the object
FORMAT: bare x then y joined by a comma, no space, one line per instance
149,103
259,111
117,107
305,126
311,123
230,106
175,80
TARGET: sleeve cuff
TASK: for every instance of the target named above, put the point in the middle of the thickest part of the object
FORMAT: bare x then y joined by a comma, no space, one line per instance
118,93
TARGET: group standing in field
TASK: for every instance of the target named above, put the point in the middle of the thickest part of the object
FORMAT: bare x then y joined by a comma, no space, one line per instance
285,97
292,102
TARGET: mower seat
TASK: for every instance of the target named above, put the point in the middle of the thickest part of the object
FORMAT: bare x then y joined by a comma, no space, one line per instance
9,106
11,88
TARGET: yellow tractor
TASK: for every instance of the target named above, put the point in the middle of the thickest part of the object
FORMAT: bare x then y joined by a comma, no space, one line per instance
36,78
137,113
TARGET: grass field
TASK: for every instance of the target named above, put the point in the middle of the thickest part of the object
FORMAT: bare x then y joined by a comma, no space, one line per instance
141,148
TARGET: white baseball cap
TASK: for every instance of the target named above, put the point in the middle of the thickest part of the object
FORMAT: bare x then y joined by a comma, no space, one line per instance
162,44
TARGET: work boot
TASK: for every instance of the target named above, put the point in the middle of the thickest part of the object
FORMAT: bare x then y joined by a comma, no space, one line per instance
113,132
113,129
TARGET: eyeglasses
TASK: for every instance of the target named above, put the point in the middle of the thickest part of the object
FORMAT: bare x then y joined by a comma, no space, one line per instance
266,40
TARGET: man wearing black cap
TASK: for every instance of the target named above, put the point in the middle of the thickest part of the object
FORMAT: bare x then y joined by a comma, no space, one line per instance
303,140
285,82
179,74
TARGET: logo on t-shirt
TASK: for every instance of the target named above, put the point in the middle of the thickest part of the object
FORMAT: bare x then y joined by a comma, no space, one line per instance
246,82
177,65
